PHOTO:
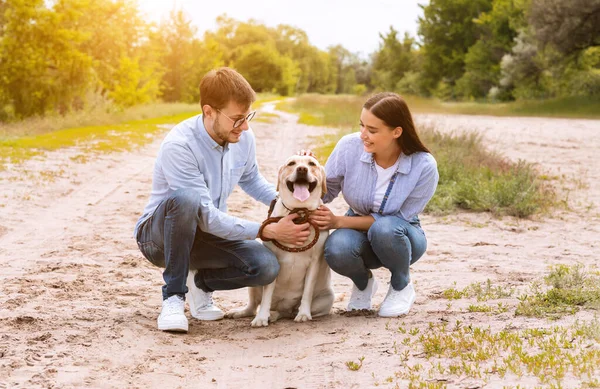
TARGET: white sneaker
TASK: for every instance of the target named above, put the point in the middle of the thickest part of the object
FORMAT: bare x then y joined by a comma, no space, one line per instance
172,316
361,299
201,302
398,302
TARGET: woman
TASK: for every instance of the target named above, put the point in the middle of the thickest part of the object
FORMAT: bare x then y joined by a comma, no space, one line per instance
386,176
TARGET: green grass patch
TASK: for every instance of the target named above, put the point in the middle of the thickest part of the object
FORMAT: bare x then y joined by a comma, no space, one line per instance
482,291
265,117
446,353
566,290
101,139
471,176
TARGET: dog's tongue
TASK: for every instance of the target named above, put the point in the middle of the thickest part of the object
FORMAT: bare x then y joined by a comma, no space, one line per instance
301,192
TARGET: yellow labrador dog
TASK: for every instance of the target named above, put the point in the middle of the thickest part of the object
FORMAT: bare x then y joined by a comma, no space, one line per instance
303,286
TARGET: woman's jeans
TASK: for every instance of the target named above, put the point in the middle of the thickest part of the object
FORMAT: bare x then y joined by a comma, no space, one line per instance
171,239
391,242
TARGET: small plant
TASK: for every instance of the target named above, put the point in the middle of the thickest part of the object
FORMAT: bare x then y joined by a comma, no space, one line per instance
568,288
355,366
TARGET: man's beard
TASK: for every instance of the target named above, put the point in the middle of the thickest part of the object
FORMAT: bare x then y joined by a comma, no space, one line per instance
219,131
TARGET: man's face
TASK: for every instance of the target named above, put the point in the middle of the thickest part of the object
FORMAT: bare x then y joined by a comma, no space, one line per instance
221,126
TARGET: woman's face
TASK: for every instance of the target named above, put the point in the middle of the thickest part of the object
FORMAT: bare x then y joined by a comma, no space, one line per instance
375,134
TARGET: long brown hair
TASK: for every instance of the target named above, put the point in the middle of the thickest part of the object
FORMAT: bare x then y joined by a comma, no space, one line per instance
393,110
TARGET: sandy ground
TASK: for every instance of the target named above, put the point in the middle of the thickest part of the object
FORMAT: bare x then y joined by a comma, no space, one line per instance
78,303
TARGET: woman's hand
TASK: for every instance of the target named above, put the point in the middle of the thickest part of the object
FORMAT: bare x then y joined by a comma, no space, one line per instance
324,218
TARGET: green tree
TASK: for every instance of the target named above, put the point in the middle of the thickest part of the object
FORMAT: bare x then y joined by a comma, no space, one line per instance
497,32
447,30
393,60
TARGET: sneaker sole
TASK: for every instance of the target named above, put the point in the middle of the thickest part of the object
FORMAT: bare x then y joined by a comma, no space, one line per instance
173,327
208,316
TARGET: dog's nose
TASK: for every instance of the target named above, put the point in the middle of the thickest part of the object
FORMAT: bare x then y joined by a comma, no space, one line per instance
302,170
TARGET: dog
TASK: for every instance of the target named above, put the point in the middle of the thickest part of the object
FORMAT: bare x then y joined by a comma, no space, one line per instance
303,285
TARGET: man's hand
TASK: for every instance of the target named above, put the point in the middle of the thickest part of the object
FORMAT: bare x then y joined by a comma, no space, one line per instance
286,232
324,218
308,153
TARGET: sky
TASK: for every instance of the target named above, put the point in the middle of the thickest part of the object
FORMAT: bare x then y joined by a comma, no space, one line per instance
355,24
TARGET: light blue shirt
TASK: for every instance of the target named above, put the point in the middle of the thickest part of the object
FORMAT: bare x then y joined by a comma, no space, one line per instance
189,158
352,171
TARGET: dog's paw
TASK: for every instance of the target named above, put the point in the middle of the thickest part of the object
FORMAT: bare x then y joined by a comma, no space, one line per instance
239,313
260,321
302,317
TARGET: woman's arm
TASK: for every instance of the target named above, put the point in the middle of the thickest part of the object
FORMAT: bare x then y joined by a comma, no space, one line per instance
326,220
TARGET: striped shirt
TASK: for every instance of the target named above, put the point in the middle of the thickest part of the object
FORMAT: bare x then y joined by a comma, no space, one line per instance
352,171
190,158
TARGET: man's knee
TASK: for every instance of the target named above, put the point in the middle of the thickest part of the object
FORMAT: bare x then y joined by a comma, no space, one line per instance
185,200
265,268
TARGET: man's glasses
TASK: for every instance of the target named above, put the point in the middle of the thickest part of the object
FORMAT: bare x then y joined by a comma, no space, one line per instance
239,122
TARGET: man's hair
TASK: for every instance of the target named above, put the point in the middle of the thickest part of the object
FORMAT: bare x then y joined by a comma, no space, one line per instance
220,86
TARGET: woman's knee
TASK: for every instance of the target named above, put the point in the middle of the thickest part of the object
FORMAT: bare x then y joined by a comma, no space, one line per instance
387,228
342,248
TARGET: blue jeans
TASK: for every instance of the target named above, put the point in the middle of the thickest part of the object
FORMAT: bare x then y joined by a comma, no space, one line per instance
391,242
172,239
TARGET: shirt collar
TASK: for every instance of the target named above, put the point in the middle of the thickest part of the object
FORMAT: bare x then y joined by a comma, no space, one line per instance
207,139
404,165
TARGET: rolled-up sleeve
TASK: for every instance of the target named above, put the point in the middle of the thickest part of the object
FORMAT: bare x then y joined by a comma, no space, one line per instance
422,193
181,171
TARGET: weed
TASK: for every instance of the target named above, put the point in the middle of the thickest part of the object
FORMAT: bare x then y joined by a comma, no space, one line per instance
355,366
567,289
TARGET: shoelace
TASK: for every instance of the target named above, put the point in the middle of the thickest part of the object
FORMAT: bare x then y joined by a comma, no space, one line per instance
173,306
209,301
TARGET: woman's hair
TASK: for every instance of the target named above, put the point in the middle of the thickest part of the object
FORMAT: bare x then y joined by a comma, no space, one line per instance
392,109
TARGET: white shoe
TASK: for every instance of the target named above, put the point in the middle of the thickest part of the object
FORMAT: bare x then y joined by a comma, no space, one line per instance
398,302
172,316
361,299
201,302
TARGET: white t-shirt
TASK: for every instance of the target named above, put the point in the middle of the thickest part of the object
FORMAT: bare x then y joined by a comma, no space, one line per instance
383,180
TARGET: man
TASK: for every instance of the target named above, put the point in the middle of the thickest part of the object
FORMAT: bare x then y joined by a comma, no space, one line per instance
185,228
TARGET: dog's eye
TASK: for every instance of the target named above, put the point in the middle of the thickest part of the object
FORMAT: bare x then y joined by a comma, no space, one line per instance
312,164
291,163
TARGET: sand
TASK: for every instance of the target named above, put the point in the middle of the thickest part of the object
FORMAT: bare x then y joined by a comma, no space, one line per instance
78,302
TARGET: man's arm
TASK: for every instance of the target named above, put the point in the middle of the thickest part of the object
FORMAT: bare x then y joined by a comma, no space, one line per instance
181,171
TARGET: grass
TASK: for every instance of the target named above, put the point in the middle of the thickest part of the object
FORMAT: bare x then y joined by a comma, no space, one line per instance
107,138
98,130
483,291
451,353
567,289
471,176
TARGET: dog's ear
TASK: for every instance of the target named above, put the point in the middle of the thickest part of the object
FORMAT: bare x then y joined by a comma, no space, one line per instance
323,181
279,176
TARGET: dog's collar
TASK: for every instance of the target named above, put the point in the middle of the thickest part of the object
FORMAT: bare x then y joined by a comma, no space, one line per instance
274,201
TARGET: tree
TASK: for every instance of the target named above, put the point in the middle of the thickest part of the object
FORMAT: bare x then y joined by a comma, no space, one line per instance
497,32
393,60
448,30
571,26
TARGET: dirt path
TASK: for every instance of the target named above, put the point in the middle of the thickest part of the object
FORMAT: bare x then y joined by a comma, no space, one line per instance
78,303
